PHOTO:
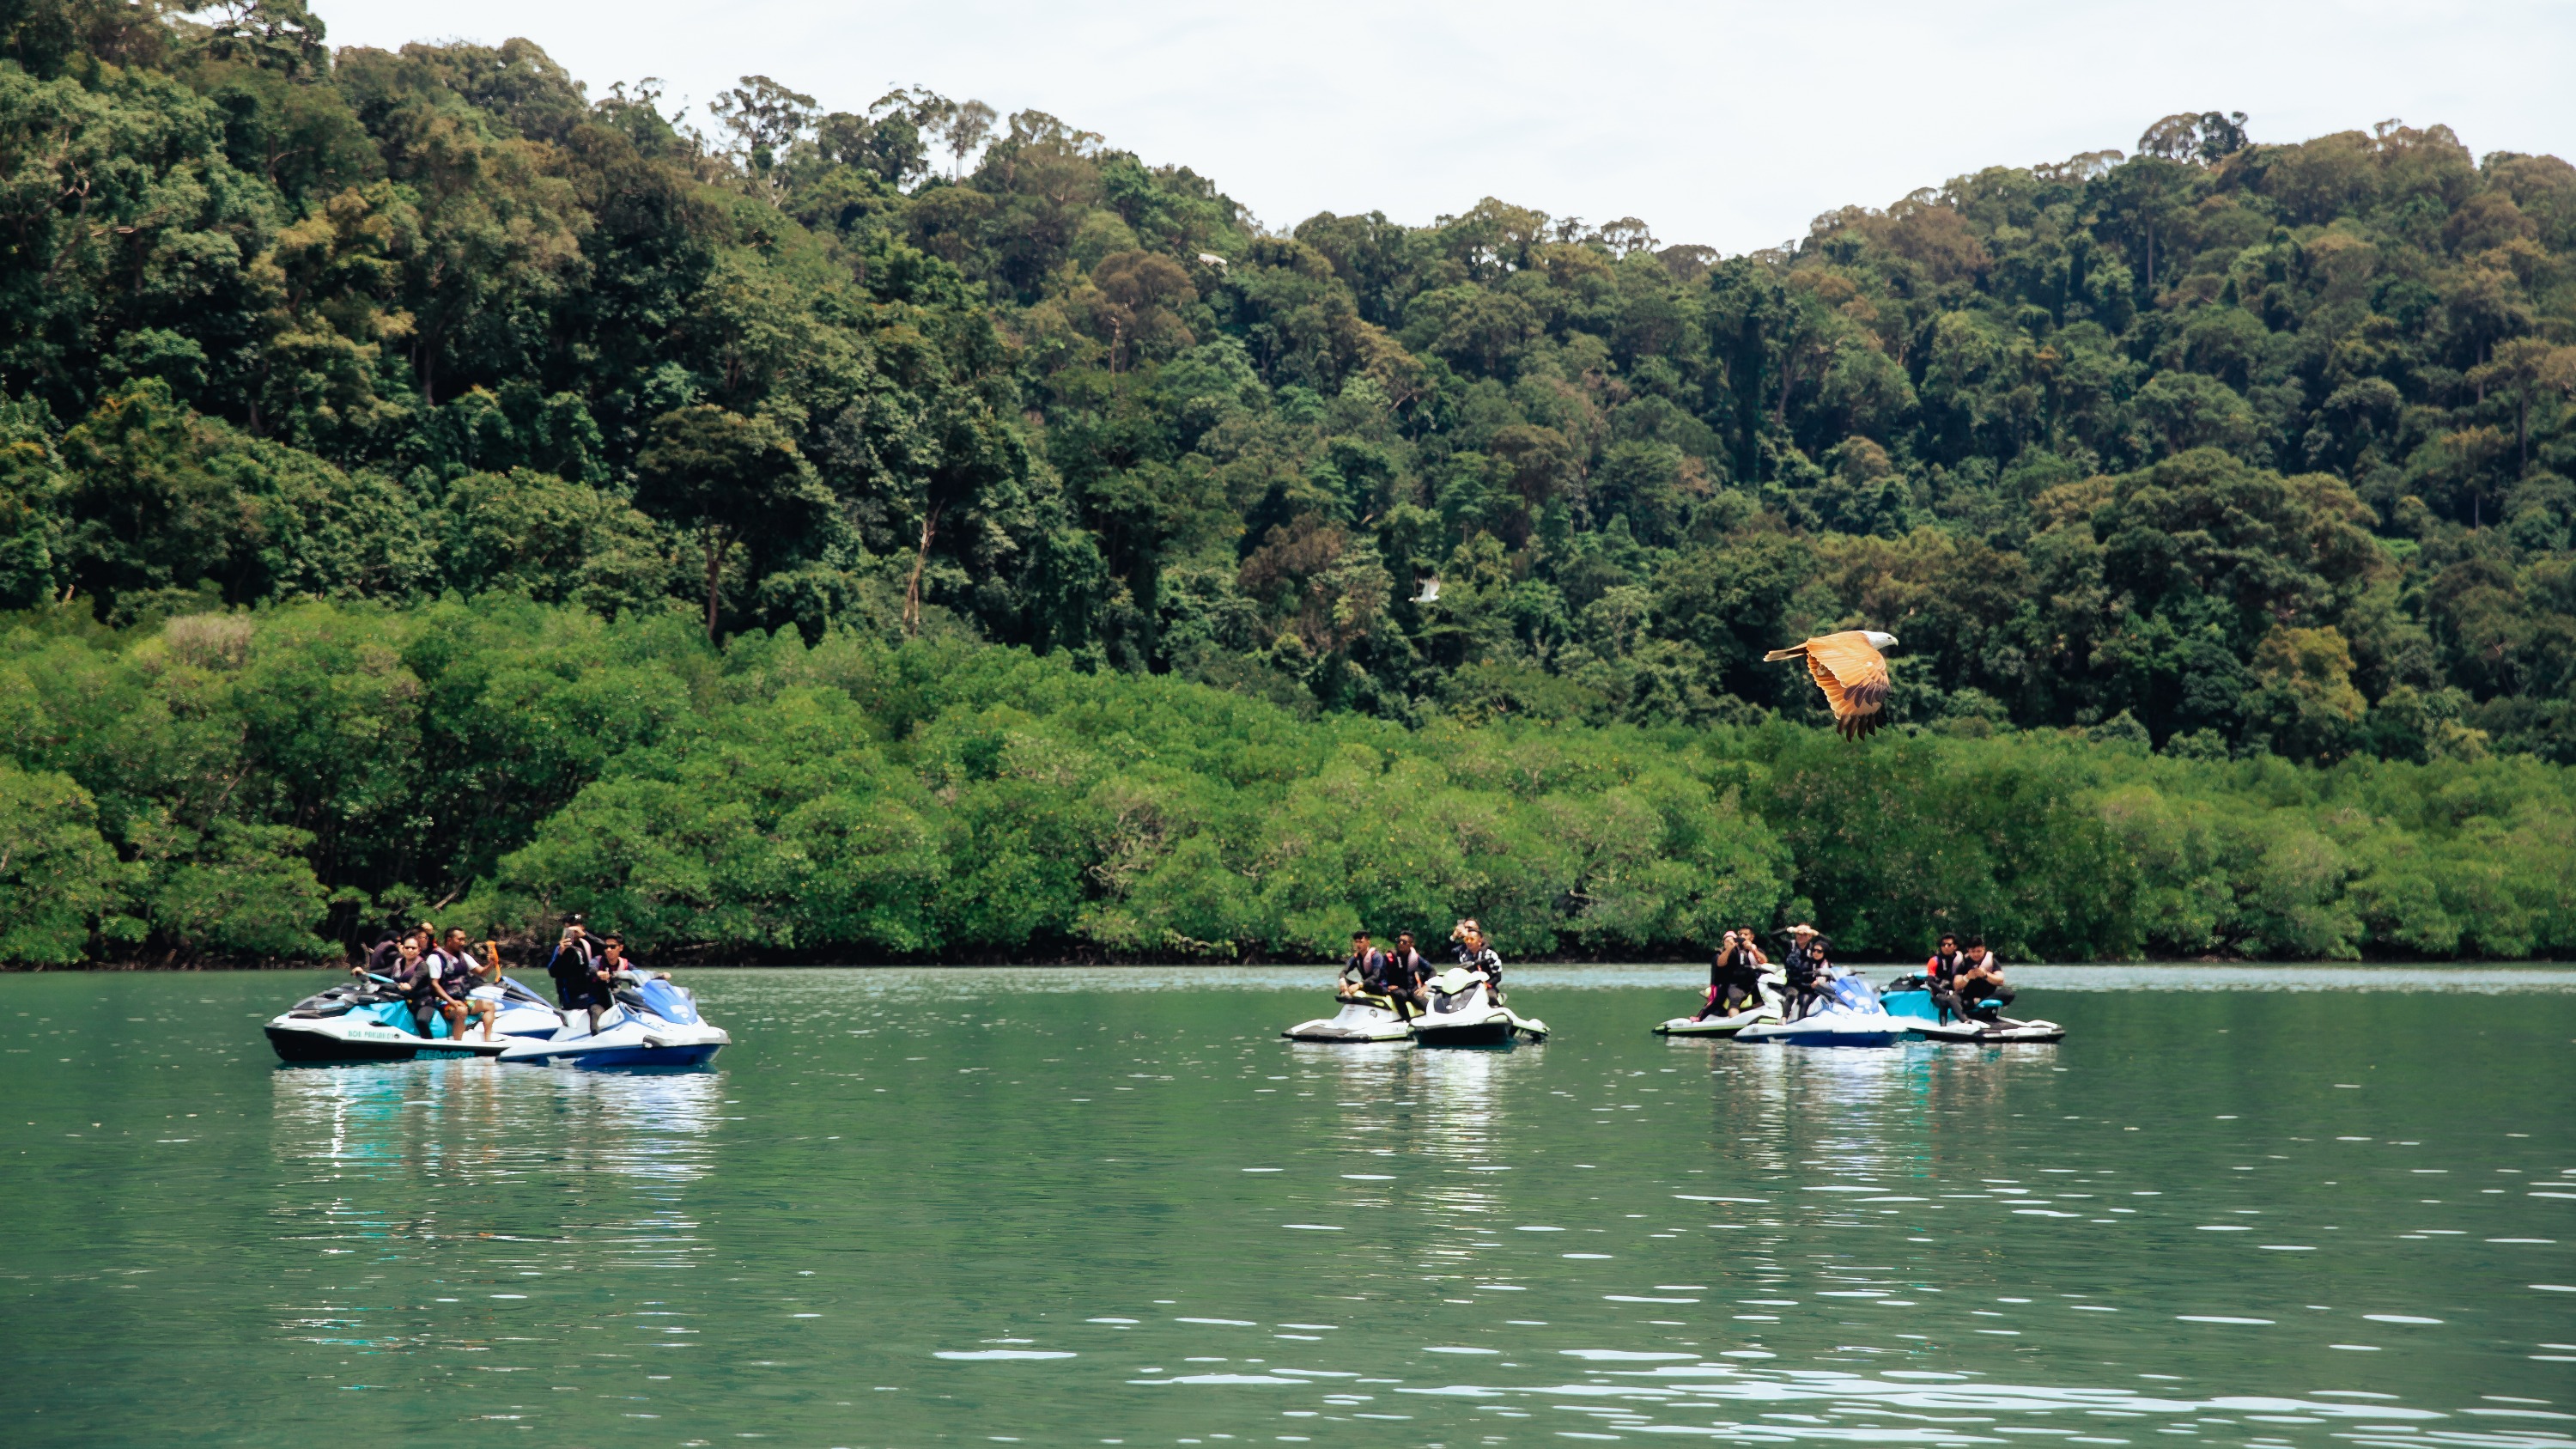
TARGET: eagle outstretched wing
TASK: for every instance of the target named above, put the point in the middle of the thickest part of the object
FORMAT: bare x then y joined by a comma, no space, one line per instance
1853,675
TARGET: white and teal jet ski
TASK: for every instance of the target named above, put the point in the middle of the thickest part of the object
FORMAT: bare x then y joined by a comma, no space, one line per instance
1909,999
651,1024
1462,1012
1846,1012
370,1021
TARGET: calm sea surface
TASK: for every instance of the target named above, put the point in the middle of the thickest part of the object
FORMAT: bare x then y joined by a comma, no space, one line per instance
2319,1206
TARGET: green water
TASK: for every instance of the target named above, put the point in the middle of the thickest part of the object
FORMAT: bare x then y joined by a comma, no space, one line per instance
1111,1207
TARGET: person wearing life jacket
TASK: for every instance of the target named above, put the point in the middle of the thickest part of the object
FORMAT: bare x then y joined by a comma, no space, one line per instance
1734,976
1804,967
579,983
1406,972
415,976
380,959
1941,971
458,978
1364,972
1476,955
1979,983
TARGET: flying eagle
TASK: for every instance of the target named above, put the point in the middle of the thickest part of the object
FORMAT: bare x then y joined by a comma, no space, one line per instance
1850,670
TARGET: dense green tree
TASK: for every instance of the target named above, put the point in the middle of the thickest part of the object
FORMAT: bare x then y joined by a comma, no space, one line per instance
730,480
2234,450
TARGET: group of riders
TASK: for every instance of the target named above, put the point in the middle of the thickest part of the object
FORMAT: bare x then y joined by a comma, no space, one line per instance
436,973
1965,981
1402,977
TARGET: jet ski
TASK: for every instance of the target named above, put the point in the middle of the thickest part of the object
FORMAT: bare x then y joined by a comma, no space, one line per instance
1767,987
1846,1013
1909,998
649,1024
370,1021
1462,1012
1362,1018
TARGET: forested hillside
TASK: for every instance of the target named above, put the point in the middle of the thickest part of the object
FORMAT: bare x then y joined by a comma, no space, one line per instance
2220,466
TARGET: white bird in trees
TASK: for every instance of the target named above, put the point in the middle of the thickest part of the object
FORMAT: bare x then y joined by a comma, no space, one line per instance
1851,671
1430,592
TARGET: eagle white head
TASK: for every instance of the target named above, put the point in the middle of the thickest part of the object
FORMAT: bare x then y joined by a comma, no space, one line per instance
1878,641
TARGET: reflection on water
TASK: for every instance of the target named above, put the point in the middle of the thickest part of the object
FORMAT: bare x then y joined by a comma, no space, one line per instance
1054,1208
398,1150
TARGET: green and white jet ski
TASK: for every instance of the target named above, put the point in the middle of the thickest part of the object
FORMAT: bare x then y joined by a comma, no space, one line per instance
1462,1012
1368,1018
1768,987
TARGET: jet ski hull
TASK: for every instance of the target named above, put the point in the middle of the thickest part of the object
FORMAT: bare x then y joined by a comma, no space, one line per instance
299,1044
1923,1019
1714,1025
614,1055
655,1027
2004,1031
1493,1031
1357,1021
356,1038
1826,1031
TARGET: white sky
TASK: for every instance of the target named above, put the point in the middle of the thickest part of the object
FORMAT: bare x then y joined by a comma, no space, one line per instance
1721,122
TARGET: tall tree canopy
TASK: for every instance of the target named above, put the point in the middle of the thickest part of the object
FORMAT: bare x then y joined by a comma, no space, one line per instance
2230,448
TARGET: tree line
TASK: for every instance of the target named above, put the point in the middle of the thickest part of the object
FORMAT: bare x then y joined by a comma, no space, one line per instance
220,787
2223,466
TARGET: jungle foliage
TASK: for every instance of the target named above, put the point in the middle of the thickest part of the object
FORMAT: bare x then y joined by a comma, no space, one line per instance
516,424
253,785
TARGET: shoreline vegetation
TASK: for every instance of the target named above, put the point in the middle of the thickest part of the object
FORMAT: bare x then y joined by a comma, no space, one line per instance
950,797
431,489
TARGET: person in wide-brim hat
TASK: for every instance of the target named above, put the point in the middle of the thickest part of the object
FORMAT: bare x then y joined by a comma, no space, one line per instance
1806,953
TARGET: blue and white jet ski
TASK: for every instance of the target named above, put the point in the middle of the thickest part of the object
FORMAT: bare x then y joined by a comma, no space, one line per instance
1909,999
652,1023
1846,1012
370,1021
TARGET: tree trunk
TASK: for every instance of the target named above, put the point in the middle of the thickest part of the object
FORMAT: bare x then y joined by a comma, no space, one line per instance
912,590
715,576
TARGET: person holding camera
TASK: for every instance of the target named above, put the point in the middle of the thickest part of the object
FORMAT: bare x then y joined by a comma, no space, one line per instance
1476,955
579,983
1734,976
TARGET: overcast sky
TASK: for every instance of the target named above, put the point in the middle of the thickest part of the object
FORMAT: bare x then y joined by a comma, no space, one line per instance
1718,122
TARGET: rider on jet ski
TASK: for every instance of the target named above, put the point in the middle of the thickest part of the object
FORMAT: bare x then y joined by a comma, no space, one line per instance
1979,984
1806,968
461,974
1406,972
580,984
1475,955
1734,976
415,977
1363,970
1941,970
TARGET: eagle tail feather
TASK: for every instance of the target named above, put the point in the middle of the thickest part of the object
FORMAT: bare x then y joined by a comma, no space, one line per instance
1776,655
